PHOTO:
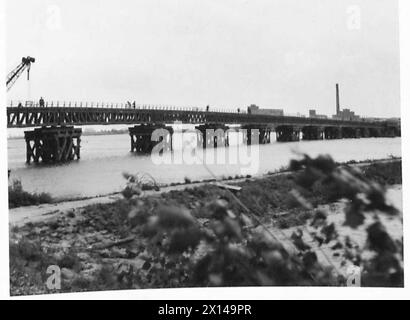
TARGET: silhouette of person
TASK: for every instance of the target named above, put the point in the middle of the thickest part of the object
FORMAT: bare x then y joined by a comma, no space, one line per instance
41,102
207,108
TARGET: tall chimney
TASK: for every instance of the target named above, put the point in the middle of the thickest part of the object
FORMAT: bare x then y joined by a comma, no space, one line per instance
337,99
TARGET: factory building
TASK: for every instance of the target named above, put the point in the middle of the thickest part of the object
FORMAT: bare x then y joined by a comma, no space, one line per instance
345,114
313,114
254,109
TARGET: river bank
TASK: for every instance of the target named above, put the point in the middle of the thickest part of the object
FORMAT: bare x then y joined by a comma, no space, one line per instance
99,243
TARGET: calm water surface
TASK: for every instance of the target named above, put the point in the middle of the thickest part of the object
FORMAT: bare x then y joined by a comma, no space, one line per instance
105,158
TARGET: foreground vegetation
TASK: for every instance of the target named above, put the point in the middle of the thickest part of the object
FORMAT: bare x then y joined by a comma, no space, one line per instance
209,236
18,197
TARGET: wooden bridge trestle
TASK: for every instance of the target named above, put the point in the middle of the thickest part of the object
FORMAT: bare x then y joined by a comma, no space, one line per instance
143,141
53,144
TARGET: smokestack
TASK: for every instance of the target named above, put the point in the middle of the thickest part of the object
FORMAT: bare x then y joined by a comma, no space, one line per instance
337,99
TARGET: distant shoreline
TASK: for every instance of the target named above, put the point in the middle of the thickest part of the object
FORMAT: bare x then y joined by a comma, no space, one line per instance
96,133
86,133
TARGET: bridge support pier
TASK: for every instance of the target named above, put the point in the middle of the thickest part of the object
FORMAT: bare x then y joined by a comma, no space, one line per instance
357,133
287,133
212,135
53,144
145,137
313,133
375,132
333,133
389,132
349,133
365,132
256,134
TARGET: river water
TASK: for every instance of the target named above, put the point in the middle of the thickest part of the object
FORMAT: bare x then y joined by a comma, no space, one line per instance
105,157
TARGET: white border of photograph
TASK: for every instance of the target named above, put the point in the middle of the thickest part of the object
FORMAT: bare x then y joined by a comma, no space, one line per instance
224,293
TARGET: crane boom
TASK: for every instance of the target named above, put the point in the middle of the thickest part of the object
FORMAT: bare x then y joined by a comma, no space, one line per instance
15,74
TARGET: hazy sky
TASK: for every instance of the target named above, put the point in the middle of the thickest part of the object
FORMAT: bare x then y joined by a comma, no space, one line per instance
230,53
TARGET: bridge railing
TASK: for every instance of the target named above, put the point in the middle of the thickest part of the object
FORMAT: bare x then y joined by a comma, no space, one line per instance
251,117
114,105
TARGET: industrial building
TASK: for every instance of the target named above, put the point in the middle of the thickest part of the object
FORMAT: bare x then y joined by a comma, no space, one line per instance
313,114
345,114
254,109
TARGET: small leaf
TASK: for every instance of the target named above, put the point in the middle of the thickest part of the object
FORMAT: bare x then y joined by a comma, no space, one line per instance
379,240
353,216
183,239
215,279
298,241
309,259
329,232
319,219
174,217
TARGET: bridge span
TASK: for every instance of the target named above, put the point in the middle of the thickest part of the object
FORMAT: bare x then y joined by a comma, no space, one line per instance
55,139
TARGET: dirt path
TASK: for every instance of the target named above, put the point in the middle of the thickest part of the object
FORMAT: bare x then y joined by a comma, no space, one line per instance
23,215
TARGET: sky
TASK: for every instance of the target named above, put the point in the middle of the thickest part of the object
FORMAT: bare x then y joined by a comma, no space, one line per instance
228,53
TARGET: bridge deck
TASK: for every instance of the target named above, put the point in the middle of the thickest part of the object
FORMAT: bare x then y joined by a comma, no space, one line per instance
18,117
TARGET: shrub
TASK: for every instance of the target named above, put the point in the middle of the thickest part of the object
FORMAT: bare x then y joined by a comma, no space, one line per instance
236,255
236,249
136,183
381,258
18,197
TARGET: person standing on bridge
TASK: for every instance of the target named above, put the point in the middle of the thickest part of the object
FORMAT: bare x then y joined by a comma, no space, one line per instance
41,102
207,108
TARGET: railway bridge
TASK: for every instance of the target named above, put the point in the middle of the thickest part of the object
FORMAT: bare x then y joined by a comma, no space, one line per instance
57,130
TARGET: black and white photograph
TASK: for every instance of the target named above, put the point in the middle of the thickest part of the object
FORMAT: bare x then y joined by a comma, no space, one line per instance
174,144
